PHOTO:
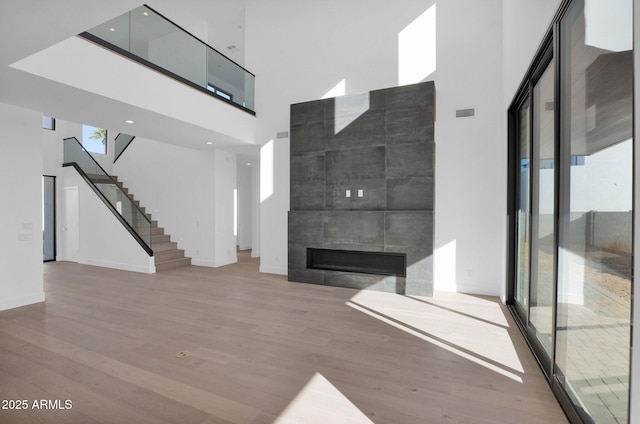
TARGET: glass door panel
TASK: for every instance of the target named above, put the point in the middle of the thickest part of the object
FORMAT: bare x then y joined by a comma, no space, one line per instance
48,218
543,255
595,244
522,209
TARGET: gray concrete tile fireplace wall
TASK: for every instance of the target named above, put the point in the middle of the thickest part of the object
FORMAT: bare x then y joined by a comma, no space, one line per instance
382,143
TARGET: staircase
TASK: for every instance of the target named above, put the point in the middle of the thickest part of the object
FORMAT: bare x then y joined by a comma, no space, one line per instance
165,252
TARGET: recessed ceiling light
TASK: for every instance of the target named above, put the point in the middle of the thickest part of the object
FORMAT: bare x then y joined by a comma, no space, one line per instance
112,29
209,142
248,163
145,13
129,121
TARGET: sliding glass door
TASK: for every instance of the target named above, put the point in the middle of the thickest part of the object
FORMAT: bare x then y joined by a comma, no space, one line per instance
523,211
572,168
595,251
535,256
543,253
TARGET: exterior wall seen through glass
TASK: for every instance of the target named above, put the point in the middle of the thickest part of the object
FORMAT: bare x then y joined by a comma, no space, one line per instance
572,173
543,223
594,284
523,178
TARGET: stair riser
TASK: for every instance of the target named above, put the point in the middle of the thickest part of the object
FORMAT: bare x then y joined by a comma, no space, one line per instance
164,247
165,238
169,255
174,264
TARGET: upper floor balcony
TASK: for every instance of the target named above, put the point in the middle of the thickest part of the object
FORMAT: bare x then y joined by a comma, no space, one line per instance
149,38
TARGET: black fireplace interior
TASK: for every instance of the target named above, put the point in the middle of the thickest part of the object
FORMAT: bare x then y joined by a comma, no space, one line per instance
379,263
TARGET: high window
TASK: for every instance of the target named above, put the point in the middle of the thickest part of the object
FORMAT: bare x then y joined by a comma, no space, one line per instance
571,174
94,139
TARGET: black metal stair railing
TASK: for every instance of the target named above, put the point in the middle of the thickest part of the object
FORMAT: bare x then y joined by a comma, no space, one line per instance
107,189
122,142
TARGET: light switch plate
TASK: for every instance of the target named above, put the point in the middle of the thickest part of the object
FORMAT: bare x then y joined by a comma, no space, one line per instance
360,193
348,193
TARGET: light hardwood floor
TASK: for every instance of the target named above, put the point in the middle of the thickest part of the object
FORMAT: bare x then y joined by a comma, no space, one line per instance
258,349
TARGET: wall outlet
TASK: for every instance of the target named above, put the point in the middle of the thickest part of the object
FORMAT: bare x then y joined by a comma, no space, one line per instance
348,193
360,193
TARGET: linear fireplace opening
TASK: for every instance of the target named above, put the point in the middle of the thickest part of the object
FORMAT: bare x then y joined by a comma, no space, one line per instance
379,263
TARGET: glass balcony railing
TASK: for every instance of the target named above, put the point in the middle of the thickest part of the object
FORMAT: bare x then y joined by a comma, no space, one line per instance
122,142
149,38
116,199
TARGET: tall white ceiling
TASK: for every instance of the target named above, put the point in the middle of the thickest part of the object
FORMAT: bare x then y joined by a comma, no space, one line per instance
30,26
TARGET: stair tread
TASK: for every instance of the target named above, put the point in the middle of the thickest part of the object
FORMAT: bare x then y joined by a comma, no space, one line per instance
185,258
175,263
166,252
164,246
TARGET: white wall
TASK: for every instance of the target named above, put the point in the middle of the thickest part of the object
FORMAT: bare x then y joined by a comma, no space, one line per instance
525,23
255,209
224,167
175,184
304,53
21,280
470,211
274,204
245,204
189,192
604,182
52,145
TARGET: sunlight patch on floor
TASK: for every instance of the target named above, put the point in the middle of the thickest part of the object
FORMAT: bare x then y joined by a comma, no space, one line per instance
319,402
475,333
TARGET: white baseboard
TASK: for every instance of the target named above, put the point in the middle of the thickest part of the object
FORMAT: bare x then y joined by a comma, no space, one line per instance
16,302
214,264
226,261
199,262
475,290
150,269
274,270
